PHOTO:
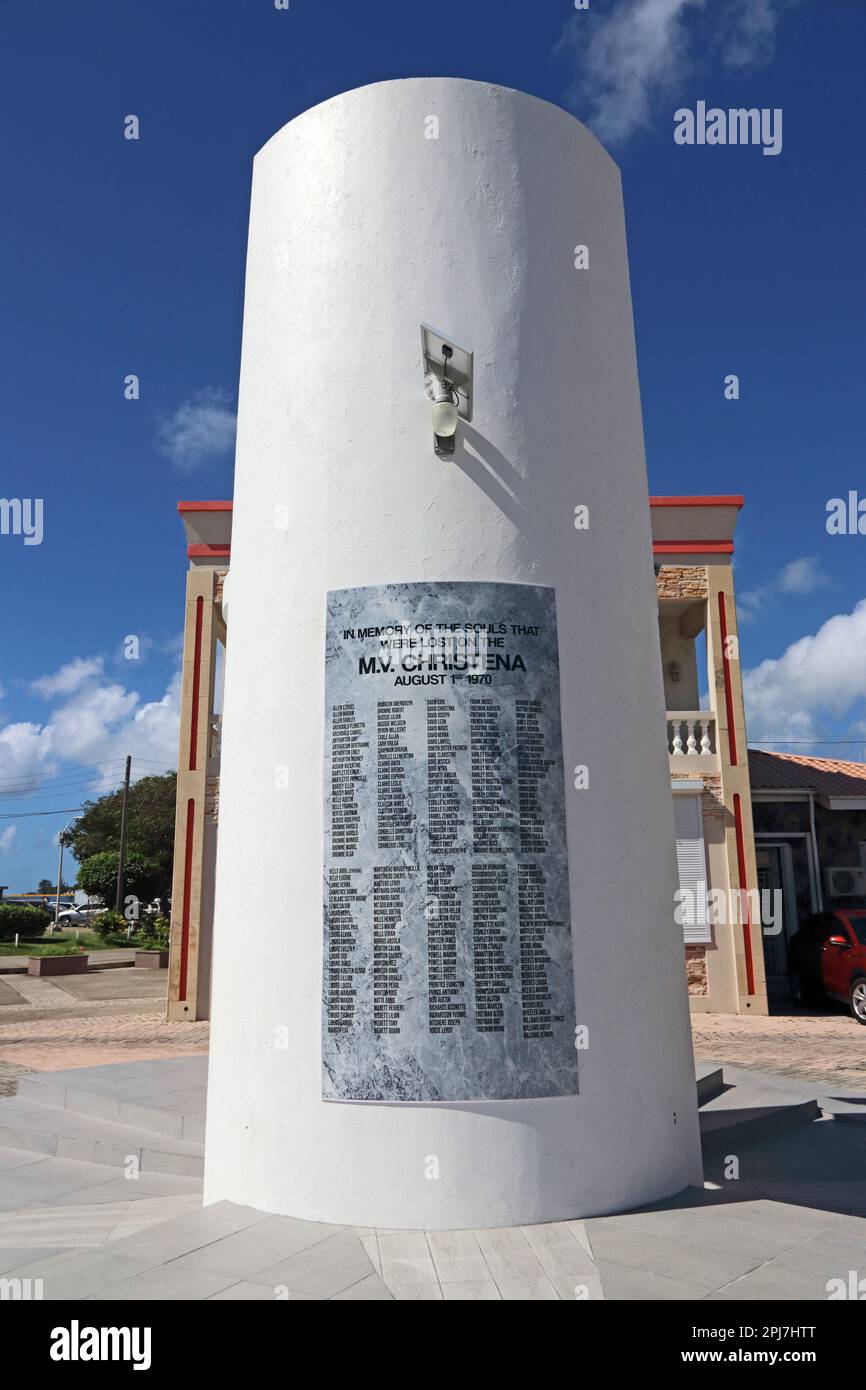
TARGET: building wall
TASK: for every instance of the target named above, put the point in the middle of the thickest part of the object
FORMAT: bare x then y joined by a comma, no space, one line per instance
839,835
683,693
726,975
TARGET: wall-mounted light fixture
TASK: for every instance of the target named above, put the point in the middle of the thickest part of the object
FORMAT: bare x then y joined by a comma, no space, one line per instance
448,384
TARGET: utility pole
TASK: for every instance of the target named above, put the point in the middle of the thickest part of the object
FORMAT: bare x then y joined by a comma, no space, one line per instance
60,870
118,901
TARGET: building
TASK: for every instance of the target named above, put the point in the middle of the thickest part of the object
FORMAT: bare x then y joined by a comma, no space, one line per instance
810,838
693,543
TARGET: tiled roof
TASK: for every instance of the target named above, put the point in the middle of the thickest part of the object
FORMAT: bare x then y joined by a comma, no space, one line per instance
792,772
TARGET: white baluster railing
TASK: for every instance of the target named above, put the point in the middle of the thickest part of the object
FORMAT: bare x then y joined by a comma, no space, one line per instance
691,733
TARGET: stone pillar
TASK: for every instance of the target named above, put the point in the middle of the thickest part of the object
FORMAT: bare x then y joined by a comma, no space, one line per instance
744,938
197,802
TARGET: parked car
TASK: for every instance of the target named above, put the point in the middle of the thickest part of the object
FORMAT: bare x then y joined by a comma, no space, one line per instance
78,916
828,959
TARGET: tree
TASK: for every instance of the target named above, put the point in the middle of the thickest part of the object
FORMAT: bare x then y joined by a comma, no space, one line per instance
46,886
150,830
143,877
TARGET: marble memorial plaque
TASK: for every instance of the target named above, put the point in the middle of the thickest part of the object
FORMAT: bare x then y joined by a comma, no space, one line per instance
447,939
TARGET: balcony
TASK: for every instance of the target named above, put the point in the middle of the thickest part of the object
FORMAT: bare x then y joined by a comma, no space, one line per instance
692,741
214,743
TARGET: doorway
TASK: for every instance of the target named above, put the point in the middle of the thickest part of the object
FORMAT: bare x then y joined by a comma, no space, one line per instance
776,876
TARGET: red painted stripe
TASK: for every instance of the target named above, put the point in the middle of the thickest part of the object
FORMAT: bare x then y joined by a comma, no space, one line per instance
741,861
187,897
196,681
693,547
729,501
726,668
205,549
204,506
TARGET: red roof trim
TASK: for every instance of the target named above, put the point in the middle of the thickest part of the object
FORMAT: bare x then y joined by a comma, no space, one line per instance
693,547
726,501
204,506
202,551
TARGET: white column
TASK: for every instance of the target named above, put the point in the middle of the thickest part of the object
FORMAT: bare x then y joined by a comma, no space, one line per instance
361,228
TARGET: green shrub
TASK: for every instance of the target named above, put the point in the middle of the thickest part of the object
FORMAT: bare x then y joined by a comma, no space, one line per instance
161,927
109,925
29,921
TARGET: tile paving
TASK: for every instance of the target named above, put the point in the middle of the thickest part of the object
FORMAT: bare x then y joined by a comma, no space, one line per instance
792,1221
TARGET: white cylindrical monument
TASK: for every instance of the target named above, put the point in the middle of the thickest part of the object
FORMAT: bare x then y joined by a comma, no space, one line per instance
403,1032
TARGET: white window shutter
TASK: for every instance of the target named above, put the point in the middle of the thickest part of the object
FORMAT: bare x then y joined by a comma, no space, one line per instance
692,866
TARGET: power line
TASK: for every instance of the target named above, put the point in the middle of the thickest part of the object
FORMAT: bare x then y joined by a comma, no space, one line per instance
22,815
24,789
79,770
68,778
809,742
47,794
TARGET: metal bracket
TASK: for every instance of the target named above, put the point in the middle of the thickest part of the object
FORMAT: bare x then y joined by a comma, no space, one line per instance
457,366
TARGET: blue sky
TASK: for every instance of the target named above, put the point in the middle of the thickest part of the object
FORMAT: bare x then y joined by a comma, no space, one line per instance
128,257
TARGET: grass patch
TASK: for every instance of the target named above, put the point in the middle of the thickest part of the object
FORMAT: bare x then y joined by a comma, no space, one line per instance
59,944
40,948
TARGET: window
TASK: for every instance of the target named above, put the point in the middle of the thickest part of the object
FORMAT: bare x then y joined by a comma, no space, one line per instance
858,922
692,866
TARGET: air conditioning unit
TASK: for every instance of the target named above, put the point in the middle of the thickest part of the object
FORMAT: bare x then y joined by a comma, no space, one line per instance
846,883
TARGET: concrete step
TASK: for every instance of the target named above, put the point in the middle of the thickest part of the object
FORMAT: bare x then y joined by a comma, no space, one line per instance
165,1100
710,1081
28,1124
845,1110
728,1124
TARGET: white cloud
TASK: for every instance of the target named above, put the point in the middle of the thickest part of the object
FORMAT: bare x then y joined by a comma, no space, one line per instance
68,678
747,32
80,727
820,676
98,722
625,60
629,58
801,576
25,752
7,838
202,428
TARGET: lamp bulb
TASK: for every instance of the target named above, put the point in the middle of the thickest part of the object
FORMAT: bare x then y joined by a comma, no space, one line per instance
445,414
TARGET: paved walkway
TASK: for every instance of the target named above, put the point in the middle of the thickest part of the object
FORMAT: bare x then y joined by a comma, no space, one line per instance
825,1048
84,1020
783,1229
49,1044
788,1224
117,1014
